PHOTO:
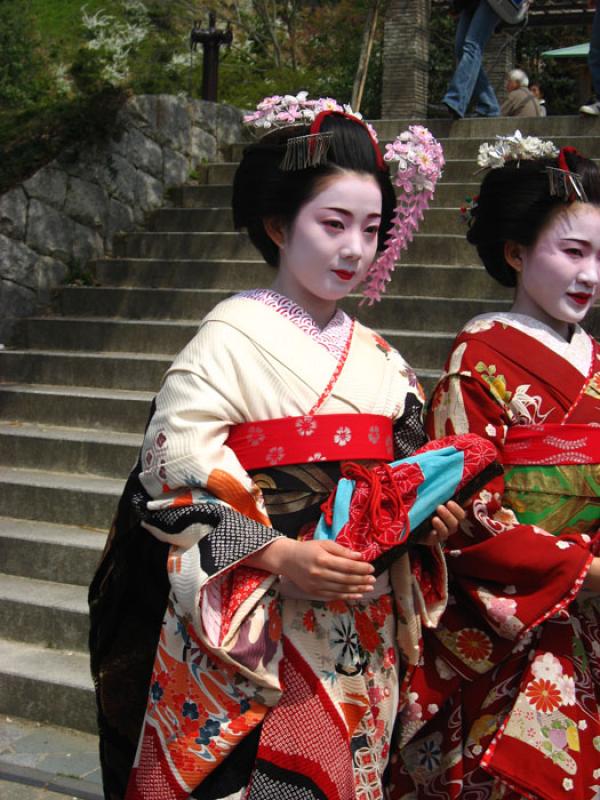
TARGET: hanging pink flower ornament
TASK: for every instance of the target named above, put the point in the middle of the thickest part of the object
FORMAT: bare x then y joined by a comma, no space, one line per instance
420,159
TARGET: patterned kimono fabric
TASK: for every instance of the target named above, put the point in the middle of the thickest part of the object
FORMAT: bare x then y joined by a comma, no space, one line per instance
505,702
237,680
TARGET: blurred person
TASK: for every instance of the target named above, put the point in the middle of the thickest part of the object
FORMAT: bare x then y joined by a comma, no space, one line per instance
537,92
476,23
520,101
593,108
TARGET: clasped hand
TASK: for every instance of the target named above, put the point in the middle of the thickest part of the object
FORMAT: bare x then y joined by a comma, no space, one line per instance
328,571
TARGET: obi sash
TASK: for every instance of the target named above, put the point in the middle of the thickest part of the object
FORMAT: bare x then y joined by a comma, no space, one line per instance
553,476
312,438
380,510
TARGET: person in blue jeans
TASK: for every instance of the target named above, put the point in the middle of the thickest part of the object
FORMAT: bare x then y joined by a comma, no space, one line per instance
593,109
476,24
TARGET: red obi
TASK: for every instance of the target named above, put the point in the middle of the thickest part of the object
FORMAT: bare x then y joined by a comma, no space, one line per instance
323,437
552,443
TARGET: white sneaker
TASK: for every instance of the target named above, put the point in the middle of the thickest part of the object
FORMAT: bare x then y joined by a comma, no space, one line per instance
593,109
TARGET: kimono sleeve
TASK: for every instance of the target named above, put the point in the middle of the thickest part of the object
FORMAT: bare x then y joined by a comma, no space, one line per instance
513,575
185,447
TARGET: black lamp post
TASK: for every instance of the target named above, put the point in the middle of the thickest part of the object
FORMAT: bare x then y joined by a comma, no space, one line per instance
211,40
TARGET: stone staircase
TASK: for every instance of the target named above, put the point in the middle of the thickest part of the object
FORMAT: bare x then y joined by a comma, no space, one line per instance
75,389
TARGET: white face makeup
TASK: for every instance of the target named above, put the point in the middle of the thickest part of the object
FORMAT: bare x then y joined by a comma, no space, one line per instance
560,274
331,245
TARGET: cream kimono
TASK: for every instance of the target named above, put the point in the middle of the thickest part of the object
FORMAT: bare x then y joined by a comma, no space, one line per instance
253,683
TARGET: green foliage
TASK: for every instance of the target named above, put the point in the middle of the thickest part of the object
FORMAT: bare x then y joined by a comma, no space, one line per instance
249,72
24,77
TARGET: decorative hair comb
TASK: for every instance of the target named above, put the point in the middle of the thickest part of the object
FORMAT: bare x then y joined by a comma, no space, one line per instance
418,155
306,151
566,185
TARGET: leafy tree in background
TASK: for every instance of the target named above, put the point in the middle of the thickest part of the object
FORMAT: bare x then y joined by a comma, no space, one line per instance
24,76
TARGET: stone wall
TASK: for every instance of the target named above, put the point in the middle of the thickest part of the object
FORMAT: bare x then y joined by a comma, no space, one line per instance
68,212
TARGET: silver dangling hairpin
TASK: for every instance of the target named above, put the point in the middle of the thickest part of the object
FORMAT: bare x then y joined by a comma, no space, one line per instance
306,151
566,185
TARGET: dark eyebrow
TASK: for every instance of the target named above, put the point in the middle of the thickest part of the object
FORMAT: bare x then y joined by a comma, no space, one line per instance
349,213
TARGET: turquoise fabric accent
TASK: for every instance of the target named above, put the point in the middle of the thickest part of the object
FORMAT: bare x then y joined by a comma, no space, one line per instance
341,511
442,472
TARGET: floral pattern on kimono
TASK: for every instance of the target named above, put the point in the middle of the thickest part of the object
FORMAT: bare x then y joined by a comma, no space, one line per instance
505,701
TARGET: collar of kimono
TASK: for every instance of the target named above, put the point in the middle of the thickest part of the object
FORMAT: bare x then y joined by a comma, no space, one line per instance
552,444
322,437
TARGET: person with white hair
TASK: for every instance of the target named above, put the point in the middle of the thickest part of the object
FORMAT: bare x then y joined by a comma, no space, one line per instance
519,102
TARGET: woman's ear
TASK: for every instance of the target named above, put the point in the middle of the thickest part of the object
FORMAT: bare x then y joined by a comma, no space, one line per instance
513,255
275,230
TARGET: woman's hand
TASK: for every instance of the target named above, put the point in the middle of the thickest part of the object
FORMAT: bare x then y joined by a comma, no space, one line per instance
445,523
322,569
591,582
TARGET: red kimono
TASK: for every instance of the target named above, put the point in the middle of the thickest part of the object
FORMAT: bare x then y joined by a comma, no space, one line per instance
505,701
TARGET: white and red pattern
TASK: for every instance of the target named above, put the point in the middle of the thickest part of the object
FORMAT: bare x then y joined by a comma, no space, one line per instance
334,335
552,443
323,437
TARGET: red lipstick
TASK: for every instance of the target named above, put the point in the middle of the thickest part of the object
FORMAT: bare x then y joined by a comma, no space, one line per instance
580,298
344,274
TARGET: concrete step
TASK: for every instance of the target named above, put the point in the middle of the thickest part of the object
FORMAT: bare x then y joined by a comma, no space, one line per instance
185,273
424,249
487,127
131,371
44,613
31,446
192,219
47,685
124,335
393,312
184,245
47,552
114,409
414,279
59,497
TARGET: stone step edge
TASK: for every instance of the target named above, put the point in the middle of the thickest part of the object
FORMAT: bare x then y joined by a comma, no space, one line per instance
77,391
66,481
52,533
63,432
63,667
117,355
49,594
75,788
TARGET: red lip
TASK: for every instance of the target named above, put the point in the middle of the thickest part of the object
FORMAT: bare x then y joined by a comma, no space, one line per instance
343,274
580,298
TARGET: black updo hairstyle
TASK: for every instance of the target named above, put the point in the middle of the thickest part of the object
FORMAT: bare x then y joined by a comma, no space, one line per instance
262,190
515,204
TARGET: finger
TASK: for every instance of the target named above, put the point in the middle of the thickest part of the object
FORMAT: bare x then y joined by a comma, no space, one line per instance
344,580
342,571
440,527
341,551
456,510
346,565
